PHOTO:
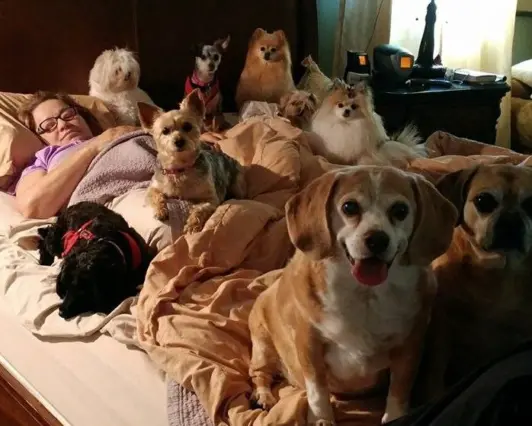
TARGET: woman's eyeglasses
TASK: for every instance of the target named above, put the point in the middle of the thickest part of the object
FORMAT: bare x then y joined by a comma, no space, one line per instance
49,124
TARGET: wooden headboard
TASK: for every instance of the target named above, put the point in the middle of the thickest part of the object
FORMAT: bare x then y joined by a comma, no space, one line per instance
52,44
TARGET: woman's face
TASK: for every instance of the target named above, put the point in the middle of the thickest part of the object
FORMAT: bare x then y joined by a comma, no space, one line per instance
59,124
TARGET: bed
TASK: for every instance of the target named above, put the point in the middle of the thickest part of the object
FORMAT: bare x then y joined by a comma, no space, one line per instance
182,346
98,379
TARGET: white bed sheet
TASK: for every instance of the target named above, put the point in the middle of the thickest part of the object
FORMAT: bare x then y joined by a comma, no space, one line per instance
95,381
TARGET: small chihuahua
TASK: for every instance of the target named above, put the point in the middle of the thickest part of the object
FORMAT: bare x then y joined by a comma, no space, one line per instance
208,59
188,168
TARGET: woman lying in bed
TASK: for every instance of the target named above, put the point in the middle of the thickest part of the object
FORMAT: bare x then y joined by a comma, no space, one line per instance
73,137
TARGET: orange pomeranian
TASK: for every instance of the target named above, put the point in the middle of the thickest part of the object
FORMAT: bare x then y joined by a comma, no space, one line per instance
267,73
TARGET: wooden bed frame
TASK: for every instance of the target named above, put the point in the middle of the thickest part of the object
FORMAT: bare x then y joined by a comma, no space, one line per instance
18,407
64,39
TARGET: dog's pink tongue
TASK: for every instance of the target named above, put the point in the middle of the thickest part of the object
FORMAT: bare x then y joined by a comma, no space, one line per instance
370,272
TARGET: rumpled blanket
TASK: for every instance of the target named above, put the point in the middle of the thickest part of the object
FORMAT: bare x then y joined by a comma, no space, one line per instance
193,309
125,164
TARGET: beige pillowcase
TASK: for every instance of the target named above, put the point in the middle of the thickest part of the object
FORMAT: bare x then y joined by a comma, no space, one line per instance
314,81
18,144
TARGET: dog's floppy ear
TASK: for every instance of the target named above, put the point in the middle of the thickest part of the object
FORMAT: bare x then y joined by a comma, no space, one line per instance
284,101
222,44
148,114
434,224
194,103
455,185
307,219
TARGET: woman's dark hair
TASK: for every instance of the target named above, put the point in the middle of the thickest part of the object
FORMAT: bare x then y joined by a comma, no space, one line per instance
25,112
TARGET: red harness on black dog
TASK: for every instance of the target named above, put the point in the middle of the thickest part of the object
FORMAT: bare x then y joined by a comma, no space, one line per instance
72,237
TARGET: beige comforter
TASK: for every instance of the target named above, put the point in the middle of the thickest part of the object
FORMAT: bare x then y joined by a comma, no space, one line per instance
193,309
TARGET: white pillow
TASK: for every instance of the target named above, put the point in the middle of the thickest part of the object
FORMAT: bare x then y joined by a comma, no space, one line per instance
523,72
9,215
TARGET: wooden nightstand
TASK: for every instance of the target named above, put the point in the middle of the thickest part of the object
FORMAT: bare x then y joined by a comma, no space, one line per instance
463,110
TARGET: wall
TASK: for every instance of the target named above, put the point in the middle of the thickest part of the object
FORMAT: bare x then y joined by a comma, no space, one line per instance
327,19
524,5
522,48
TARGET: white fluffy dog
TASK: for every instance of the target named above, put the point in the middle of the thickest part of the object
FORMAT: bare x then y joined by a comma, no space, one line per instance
114,79
351,132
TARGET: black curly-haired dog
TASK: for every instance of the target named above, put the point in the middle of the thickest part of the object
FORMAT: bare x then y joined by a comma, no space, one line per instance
104,259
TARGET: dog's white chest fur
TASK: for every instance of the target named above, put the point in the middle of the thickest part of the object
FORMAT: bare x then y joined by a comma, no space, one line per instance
362,324
342,139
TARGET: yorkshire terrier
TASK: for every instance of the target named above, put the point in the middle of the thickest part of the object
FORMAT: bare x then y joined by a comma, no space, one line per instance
267,73
299,107
188,169
104,259
208,59
351,132
114,78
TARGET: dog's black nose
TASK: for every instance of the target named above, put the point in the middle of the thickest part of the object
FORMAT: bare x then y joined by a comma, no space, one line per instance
346,113
508,232
211,67
377,242
267,56
180,143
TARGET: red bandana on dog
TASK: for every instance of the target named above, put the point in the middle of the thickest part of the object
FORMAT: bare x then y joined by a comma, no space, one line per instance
208,91
72,237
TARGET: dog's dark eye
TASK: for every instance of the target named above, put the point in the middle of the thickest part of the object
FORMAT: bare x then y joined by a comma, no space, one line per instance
262,49
485,203
165,131
186,127
117,71
273,49
216,57
350,208
203,57
527,206
398,211
340,105
353,107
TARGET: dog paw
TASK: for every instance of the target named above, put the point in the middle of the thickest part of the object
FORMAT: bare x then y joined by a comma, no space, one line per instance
192,228
264,398
322,422
393,411
162,214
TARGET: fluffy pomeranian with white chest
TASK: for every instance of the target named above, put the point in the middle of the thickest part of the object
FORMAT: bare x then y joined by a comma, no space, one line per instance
351,132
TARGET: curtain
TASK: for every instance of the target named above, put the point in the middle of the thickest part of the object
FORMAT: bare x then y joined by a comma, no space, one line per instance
474,34
362,24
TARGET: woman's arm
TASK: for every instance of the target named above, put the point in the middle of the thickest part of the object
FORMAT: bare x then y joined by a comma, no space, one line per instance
41,194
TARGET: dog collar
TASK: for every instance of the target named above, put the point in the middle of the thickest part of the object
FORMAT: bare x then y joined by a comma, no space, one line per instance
72,237
197,83
172,171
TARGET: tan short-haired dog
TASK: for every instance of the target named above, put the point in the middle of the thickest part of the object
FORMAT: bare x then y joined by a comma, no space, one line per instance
483,307
354,300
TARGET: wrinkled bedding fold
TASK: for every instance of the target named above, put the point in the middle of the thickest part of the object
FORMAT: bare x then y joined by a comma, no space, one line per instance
193,309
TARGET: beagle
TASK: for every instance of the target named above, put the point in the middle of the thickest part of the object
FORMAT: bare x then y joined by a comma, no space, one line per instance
354,300
484,299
